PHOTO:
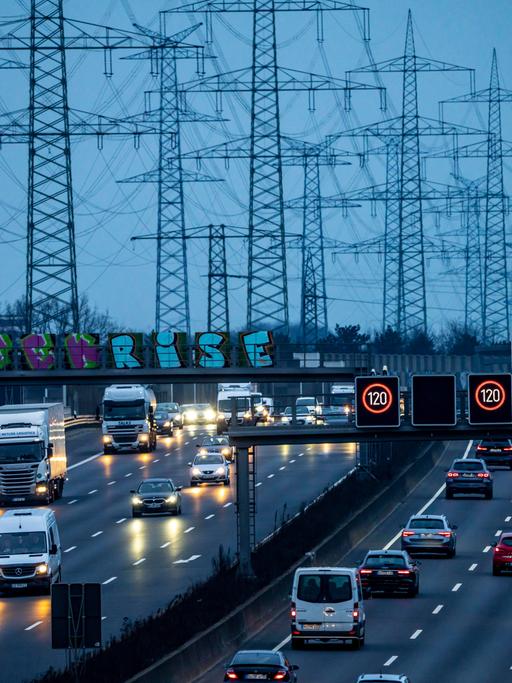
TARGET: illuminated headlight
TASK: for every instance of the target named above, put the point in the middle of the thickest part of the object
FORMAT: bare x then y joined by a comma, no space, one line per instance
226,451
191,415
260,408
143,437
107,438
41,488
196,471
221,416
285,418
209,414
167,423
171,499
136,500
42,568
203,451
219,470
247,414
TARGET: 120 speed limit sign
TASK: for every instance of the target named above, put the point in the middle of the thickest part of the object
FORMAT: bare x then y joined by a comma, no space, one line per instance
377,401
489,399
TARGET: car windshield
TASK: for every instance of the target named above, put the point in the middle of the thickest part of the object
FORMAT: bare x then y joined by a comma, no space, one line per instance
21,452
208,459
305,401
258,658
125,410
161,416
465,466
202,406
302,410
242,403
426,524
168,407
496,442
155,487
23,543
317,588
287,411
215,441
507,541
391,561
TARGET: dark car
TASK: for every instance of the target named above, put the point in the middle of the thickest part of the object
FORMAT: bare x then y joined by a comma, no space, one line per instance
469,476
502,555
163,421
261,665
389,571
495,452
156,495
429,534
217,444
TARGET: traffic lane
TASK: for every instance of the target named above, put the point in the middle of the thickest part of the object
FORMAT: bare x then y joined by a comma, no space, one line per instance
380,630
111,557
82,442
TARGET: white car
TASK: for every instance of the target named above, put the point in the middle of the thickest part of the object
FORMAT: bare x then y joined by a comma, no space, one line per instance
383,678
209,468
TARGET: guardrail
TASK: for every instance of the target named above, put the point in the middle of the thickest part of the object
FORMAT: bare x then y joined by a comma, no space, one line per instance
71,422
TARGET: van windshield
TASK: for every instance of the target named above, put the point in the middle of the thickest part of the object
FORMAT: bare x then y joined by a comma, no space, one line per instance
318,588
21,452
242,403
23,543
124,410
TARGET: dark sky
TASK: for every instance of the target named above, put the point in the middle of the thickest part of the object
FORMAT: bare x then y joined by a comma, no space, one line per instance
120,276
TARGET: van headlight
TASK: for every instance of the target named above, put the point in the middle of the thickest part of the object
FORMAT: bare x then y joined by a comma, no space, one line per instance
136,500
42,568
221,416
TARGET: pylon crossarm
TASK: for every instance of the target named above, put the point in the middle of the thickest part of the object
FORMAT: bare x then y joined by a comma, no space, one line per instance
279,6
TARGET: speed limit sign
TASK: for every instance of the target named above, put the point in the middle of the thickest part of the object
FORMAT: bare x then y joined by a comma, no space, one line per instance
378,401
489,399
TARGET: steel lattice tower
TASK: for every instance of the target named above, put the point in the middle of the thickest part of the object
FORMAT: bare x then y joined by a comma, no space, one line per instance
311,300
473,299
393,280
51,288
218,309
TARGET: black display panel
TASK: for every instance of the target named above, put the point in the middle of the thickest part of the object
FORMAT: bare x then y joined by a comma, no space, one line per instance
489,399
377,401
433,401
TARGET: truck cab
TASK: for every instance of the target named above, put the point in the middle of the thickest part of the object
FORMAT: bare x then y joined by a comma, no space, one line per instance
128,418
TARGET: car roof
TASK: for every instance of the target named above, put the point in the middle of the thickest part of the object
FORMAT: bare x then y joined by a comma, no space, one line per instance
427,517
255,654
154,480
469,460
506,534
387,552
380,677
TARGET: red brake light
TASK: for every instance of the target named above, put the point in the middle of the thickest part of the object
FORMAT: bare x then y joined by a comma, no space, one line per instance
508,448
483,475
231,675
407,533
279,676
404,571
497,549
365,571
355,614
481,448
453,474
293,611
445,533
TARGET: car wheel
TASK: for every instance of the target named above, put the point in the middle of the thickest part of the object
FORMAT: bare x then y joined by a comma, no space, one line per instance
357,643
297,643
496,571
193,483
227,482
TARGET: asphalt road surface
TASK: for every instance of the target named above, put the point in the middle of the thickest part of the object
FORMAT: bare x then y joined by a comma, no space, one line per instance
143,563
458,628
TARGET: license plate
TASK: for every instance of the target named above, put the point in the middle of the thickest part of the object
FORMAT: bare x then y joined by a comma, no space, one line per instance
468,475
494,450
385,573
20,585
154,505
311,627
18,500
257,677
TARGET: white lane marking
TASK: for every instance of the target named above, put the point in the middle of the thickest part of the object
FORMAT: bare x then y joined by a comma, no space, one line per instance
36,623
83,462
98,533
112,578
300,455
428,503
499,532
456,587
142,559
391,660
187,443
258,484
156,460
103,618
71,502
189,559
209,516
416,634
120,521
142,467
227,505
281,644
437,609
507,519
270,476
292,461
93,491
164,545
167,455
473,567
486,549
282,468
129,474
71,547
187,531
111,483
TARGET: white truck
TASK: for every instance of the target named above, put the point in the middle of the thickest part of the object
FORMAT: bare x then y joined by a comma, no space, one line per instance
343,396
246,394
128,418
33,462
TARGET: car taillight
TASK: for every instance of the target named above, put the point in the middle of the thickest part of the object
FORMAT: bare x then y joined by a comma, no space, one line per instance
445,533
355,611
293,611
483,475
497,549
508,448
481,448
408,533
231,675
280,676
404,571
453,474
365,571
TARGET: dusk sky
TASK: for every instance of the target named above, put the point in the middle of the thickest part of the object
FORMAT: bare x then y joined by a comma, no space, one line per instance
119,275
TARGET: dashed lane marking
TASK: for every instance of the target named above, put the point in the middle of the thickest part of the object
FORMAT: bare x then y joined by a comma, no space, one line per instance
164,545
227,505
112,578
189,559
36,623
111,483
292,461
71,547
416,634
156,460
258,484
507,519
71,502
499,532
486,549
269,476
98,533
390,661
142,467
120,521
456,587
93,491
142,559
282,468
437,609
129,474
187,531
473,567
210,516
281,644
83,462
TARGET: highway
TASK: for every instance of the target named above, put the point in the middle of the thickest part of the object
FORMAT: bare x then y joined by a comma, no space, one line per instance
457,629
144,562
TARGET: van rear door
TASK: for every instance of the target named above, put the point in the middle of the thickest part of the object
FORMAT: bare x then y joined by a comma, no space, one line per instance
324,601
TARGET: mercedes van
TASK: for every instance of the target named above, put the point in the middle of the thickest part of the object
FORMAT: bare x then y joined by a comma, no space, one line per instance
327,604
30,550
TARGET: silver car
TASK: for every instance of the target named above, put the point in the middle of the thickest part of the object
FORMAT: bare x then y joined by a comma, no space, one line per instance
383,678
209,468
429,534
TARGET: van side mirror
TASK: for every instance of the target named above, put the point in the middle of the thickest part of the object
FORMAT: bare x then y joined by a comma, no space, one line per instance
53,549
454,526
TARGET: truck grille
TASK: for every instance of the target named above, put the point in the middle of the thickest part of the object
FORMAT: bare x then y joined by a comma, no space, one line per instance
132,429
17,481
18,572
125,438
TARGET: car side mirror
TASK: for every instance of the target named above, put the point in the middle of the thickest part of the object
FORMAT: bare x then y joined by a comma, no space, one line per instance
178,488
53,549
50,449
189,464
294,667
133,491
198,445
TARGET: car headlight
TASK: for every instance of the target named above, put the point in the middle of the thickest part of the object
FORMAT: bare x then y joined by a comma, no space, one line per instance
167,423
143,437
171,499
247,414
191,415
226,451
285,418
42,568
209,414
221,416
203,451
219,470
107,438
196,471
136,500
41,488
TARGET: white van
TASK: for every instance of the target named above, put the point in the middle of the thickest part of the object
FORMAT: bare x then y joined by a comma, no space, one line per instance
30,550
309,402
327,604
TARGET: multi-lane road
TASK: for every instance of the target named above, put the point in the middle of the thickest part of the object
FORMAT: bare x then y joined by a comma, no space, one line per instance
458,628
143,563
